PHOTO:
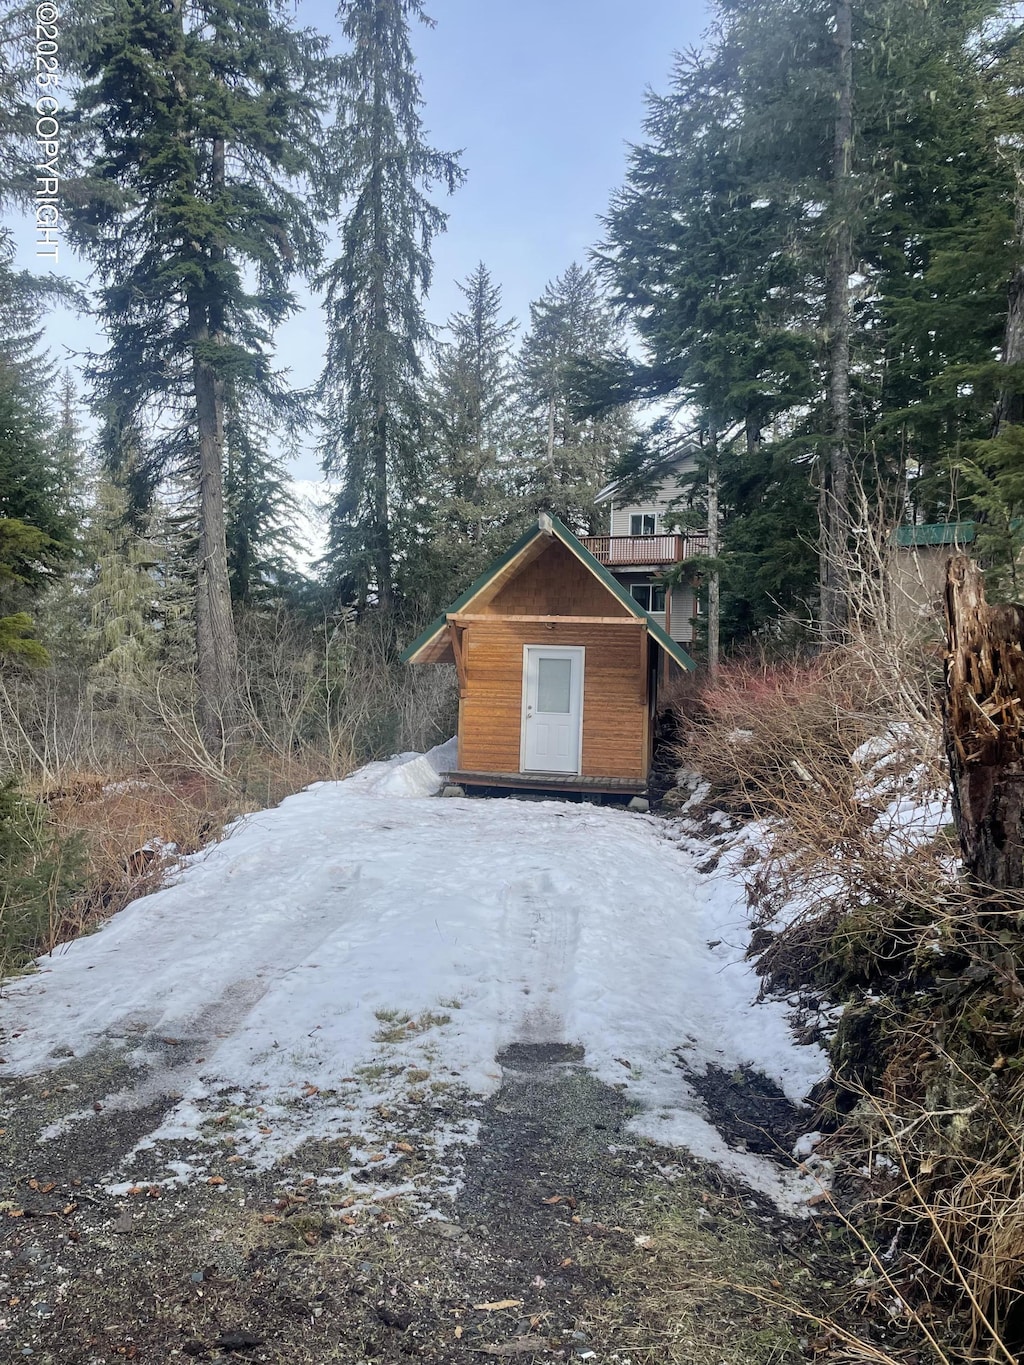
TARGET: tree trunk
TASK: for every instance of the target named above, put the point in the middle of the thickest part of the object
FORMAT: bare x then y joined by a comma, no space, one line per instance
380,533
834,487
983,726
216,644
1010,405
714,580
216,641
381,511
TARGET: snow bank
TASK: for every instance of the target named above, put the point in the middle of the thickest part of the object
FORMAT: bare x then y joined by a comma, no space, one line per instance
407,775
331,948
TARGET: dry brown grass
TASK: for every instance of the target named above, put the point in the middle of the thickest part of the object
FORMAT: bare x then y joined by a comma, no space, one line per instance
128,833
672,1306
776,744
928,1095
126,781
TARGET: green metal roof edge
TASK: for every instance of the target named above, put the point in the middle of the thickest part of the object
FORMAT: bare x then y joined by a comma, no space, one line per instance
439,622
423,638
627,599
671,647
562,532
935,533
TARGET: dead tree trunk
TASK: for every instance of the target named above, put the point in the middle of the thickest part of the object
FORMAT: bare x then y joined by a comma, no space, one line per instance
714,578
983,725
834,472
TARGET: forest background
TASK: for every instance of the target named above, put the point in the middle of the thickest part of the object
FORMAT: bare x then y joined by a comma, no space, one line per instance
810,280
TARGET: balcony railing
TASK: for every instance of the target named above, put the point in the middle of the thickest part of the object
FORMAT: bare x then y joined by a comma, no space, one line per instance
668,549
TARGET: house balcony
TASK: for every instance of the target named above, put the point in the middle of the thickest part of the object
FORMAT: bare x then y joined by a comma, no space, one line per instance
619,551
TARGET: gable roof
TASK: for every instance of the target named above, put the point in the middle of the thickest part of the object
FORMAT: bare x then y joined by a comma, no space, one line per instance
548,526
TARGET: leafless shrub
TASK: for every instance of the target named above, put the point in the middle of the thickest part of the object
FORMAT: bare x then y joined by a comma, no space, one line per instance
124,775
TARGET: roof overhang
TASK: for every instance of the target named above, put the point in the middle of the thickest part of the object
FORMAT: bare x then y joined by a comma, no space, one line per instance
934,535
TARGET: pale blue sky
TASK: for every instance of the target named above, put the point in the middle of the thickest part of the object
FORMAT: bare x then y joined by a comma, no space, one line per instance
543,97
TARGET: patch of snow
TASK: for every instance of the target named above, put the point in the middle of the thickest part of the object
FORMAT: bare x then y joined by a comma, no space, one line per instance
914,818
884,747
697,787
307,970
739,736
805,1145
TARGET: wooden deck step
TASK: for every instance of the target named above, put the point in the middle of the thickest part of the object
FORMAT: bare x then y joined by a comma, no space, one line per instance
554,782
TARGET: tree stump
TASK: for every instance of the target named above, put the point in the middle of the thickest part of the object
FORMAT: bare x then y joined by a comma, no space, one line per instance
983,726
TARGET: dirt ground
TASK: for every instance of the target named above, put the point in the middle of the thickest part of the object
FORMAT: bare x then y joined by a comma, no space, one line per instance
567,1238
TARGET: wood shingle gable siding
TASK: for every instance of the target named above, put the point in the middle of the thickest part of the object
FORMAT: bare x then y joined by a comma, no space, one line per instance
557,584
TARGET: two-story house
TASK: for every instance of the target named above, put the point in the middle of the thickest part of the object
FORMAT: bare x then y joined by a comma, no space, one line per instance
641,547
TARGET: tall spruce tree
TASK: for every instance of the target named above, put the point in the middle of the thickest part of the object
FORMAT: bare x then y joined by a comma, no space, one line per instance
780,249
989,467
702,263
568,452
938,248
470,422
260,507
196,119
381,171
843,107
124,612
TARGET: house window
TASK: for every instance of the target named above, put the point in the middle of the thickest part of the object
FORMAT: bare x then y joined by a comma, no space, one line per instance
651,596
642,524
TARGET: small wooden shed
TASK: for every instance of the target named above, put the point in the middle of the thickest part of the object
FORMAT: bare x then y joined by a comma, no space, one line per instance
558,670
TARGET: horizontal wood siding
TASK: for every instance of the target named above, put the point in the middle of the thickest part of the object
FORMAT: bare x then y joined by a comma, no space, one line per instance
614,705
556,584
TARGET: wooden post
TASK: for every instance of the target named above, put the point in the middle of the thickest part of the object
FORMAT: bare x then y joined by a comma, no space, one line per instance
983,726
668,628
459,650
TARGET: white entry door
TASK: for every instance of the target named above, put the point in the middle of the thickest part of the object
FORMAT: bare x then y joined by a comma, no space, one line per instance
552,709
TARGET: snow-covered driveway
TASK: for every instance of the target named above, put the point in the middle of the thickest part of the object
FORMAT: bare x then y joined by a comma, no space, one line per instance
364,938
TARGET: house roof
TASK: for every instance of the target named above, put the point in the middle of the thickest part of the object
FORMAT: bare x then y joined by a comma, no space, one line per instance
505,566
935,533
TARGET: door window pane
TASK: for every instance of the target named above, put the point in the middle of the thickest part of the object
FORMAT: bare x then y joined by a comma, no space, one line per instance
554,682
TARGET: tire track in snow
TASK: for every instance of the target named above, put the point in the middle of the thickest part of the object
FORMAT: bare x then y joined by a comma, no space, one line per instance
161,1059
277,956
540,928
